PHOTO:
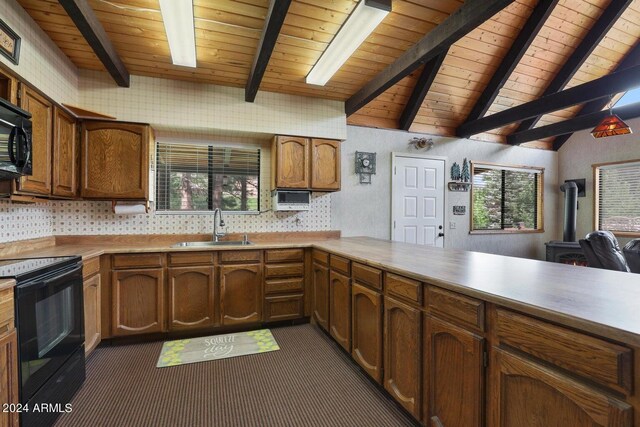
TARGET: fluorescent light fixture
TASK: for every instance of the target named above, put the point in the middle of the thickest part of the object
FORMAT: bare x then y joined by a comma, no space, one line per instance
178,24
362,21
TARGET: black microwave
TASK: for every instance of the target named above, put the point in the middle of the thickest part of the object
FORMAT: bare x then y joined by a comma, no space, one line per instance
15,141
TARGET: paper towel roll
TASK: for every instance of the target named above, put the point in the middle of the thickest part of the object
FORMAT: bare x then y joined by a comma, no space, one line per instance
130,209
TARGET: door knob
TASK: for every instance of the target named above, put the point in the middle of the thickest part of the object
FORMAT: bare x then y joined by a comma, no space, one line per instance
440,234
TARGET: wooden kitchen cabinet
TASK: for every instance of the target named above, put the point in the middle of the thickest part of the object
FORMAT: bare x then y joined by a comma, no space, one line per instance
454,375
528,394
290,162
66,154
325,164
92,319
41,109
138,300
9,376
320,282
305,163
340,309
366,327
191,297
115,160
402,354
8,88
241,294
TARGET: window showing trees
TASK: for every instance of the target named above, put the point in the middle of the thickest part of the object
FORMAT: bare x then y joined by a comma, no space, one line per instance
198,177
506,199
618,198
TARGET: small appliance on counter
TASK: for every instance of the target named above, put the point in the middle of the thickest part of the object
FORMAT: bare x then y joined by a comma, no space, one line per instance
15,141
291,200
49,315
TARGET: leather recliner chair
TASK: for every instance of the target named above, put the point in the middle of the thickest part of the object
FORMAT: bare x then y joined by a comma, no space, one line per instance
602,251
632,254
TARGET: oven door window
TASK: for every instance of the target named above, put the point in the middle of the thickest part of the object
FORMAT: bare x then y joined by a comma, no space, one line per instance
54,320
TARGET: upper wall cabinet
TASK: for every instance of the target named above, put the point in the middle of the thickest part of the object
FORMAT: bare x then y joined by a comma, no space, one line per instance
8,87
115,160
305,164
41,109
66,154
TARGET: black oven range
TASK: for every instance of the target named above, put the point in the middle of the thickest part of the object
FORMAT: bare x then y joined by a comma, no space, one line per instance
50,324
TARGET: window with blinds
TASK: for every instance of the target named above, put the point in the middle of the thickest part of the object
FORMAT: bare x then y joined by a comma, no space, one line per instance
506,199
199,177
618,197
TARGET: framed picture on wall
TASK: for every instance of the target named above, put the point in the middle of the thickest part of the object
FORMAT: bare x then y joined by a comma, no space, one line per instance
9,43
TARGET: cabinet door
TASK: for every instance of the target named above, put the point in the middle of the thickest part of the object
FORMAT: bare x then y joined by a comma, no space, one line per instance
92,322
9,377
367,330
138,301
39,182
402,350
241,294
526,394
291,162
8,87
191,297
325,164
321,295
340,309
115,161
66,154
454,375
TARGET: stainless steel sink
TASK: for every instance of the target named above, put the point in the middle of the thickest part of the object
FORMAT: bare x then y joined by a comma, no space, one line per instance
205,244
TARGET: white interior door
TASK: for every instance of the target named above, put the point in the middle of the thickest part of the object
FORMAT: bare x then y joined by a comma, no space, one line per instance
417,198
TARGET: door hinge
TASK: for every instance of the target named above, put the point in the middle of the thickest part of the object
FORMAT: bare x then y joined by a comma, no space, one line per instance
485,359
394,224
395,170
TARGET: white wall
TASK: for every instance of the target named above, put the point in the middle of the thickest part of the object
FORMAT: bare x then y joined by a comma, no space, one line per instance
362,209
580,152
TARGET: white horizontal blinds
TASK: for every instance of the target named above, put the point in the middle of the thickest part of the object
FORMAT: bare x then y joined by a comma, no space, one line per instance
506,198
619,197
199,177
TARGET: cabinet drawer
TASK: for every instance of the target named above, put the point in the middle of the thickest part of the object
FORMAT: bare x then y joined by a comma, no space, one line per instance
366,275
90,267
407,289
319,256
137,260
275,286
342,265
601,361
284,255
239,256
284,270
457,308
191,258
6,310
283,307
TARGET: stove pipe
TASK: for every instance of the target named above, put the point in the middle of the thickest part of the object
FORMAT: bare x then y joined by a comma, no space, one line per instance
570,190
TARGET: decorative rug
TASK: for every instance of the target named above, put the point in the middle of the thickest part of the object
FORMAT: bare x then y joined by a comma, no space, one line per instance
193,350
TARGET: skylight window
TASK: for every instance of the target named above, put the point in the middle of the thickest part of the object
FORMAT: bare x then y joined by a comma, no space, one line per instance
630,97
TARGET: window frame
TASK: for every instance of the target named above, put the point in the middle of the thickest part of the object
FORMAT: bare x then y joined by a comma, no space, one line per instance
540,197
260,150
596,197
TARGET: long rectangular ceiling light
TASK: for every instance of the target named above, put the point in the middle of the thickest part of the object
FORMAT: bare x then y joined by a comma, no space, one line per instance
178,24
362,21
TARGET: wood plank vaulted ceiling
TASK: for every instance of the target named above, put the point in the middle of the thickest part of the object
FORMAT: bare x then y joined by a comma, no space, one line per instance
228,33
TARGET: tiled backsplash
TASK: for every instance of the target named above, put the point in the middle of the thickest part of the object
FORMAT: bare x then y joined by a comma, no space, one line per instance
21,222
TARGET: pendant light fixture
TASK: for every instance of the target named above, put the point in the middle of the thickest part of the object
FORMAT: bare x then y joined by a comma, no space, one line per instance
611,125
363,20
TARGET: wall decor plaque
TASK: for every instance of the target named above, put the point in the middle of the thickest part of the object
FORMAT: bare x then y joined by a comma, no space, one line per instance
9,43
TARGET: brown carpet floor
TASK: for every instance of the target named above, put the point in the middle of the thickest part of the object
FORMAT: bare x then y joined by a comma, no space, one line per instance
309,382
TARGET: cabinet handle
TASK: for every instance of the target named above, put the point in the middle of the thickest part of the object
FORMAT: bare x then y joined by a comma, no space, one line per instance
435,422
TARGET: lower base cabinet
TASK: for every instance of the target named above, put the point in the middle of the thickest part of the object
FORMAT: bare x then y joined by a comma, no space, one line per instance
454,375
92,318
340,309
320,282
138,301
191,297
402,354
9,377
366,330
241,294
283,307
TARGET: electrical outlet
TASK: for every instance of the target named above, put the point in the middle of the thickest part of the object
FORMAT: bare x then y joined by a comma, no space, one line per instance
452,225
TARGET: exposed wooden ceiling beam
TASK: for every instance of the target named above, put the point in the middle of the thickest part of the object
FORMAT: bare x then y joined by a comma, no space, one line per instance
272,25
630,60
420,91
582,122
471,14
582,52
520,45
616,82
92,30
